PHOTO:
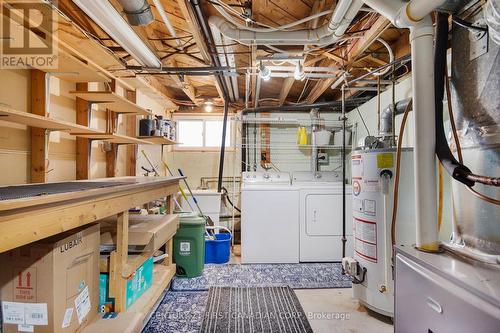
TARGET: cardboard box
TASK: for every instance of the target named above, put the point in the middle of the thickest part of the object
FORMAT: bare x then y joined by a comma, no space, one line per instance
146,232
137,285
51,286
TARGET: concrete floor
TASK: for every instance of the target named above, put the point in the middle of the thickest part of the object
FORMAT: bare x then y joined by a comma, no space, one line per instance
334,311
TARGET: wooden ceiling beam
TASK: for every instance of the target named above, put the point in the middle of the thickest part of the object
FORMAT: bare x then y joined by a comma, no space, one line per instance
185,84
338,59
376,29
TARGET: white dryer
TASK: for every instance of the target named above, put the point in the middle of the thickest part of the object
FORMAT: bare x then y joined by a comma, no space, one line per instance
320,216
269,218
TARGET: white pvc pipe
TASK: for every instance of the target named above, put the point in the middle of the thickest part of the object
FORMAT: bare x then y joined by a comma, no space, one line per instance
343,14
415,17
417,10
349,15
391,56
422,55
402,14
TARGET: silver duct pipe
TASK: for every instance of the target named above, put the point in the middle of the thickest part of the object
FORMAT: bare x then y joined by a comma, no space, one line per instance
386,125
138,11
344,13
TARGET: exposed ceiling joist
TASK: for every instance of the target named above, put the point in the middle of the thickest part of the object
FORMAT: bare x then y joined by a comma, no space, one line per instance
376,29
183,83
288,83
190,17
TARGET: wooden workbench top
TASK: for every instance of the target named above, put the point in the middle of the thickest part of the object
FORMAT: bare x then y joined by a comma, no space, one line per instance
105,187
28,218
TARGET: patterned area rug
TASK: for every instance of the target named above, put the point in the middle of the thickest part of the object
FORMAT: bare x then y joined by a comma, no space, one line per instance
178,312
183,307
297,276
254,310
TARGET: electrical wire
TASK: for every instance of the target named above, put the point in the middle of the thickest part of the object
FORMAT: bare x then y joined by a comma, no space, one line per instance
226,194
468,25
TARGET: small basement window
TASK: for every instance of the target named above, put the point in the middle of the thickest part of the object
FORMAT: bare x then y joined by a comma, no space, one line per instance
201,133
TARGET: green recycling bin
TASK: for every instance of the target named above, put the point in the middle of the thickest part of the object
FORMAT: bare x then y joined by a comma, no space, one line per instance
189,245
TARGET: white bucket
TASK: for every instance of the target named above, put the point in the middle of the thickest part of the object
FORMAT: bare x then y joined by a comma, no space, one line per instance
337,138
323,137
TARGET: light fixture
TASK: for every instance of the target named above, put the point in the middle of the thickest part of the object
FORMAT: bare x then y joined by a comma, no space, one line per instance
264,72
106,16
209,106
299,73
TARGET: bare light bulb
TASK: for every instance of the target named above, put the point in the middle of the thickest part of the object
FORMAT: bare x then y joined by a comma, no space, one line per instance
209,107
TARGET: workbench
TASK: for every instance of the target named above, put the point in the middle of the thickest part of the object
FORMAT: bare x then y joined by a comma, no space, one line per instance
35,211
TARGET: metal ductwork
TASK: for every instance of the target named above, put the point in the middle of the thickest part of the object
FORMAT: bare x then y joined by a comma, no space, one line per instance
138,12
386,117
345,12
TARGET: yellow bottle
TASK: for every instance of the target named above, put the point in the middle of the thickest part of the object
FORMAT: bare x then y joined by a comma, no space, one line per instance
302,136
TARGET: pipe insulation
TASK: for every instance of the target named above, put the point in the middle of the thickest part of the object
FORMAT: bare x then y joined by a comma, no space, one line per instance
449,162
138,11
421,40
344,13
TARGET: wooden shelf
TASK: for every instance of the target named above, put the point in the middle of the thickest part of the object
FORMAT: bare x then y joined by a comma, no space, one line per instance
162,276
112,101
73,69
34,120
132,320
52,124
113,138
158,140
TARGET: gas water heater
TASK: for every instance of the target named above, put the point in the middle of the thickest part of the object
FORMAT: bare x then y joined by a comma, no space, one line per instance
373,175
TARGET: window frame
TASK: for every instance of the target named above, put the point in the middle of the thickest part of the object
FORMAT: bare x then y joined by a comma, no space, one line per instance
204,118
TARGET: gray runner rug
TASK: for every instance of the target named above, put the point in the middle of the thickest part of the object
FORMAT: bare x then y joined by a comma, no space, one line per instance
255,309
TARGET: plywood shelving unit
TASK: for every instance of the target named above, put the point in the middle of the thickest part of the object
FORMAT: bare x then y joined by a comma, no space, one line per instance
72,69
112,102
158,140
52,124
33,120
113,138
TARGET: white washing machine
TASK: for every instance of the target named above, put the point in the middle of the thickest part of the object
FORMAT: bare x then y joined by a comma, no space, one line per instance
269,218
320,216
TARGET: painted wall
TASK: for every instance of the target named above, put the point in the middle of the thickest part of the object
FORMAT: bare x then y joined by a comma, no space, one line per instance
196,163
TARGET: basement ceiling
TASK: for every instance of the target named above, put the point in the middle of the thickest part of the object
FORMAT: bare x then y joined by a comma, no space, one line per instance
357,55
